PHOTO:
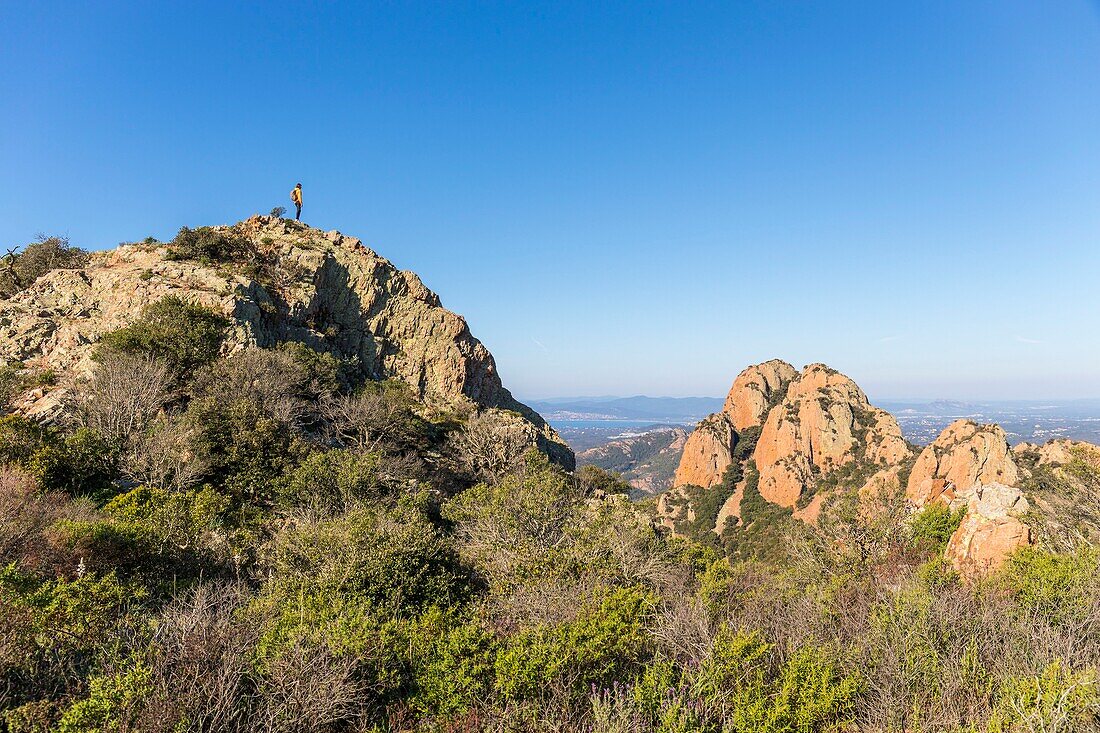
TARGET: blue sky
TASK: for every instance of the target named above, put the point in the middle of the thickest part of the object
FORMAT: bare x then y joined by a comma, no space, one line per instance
621,198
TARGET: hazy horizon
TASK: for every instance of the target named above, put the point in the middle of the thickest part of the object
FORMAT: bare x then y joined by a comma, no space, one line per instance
637,198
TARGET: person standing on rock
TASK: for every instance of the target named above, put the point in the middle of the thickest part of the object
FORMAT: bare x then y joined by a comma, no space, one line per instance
296,197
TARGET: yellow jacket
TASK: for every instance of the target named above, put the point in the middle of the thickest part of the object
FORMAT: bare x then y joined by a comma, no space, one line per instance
296,195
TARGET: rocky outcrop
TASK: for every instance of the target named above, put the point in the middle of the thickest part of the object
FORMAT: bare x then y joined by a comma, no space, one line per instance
1059,452
754,392
326,290
707,452
991,530
709,449
823,423
971,466
965,454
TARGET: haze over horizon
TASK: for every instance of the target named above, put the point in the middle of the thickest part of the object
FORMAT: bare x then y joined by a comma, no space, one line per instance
624,199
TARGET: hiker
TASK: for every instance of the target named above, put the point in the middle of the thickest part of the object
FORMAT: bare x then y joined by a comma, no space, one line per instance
296,197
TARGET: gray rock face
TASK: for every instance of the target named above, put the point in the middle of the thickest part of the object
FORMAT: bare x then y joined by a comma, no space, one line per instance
326,290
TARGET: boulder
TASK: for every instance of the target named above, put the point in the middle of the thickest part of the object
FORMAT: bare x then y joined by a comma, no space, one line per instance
991,530
709,449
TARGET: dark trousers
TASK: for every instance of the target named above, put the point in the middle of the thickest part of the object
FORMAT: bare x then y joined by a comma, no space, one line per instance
298,214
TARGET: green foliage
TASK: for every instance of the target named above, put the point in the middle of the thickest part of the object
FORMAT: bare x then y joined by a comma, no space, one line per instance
334,481
763,531
208,244
179,522
106,708
453,663
392,558
21,438
1056,587
19,271
521,522
594,479
608,641
810,694
81,463
183,334
933,526
247,453
60,630
1058,699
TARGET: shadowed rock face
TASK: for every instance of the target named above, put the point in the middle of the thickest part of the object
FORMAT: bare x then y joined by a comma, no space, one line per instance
332,294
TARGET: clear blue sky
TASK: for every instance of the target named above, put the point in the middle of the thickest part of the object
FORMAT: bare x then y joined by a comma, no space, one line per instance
621,198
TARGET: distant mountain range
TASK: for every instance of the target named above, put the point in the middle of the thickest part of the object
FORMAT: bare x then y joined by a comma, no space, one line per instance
660,409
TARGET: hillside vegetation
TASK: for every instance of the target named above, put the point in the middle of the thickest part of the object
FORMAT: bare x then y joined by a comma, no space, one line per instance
207,538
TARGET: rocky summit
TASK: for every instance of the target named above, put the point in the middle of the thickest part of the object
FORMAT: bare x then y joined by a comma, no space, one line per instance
291,283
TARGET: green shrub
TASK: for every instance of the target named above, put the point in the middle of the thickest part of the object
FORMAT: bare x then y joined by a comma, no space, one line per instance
811,694
1058,699
331,482
607,642
393,558
207,244
179,522
65,628
453,663
110,703
81,464
933,526
183,334
1054,586
18,271
21,438
247,452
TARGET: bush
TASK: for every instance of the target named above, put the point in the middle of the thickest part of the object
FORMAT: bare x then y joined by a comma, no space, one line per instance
246,453
21,438
607,642
81,464
1056,587
332,482
184,335
1058,699
18,271
933,526
452,664
393,559
209,244
517,526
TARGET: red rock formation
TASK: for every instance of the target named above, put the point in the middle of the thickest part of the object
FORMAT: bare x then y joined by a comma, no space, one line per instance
824,422
709,449
964,454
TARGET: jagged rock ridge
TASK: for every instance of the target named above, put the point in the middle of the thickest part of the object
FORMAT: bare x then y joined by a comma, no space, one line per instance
329,291
819,434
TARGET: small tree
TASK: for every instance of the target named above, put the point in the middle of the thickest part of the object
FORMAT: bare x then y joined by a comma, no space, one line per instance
20,269
490,444
126,392
184,335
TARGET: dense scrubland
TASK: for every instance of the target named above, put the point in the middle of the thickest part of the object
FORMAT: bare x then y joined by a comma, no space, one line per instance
266,541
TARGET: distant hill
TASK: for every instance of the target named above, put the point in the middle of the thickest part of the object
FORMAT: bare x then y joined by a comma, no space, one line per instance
664,409
647,461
